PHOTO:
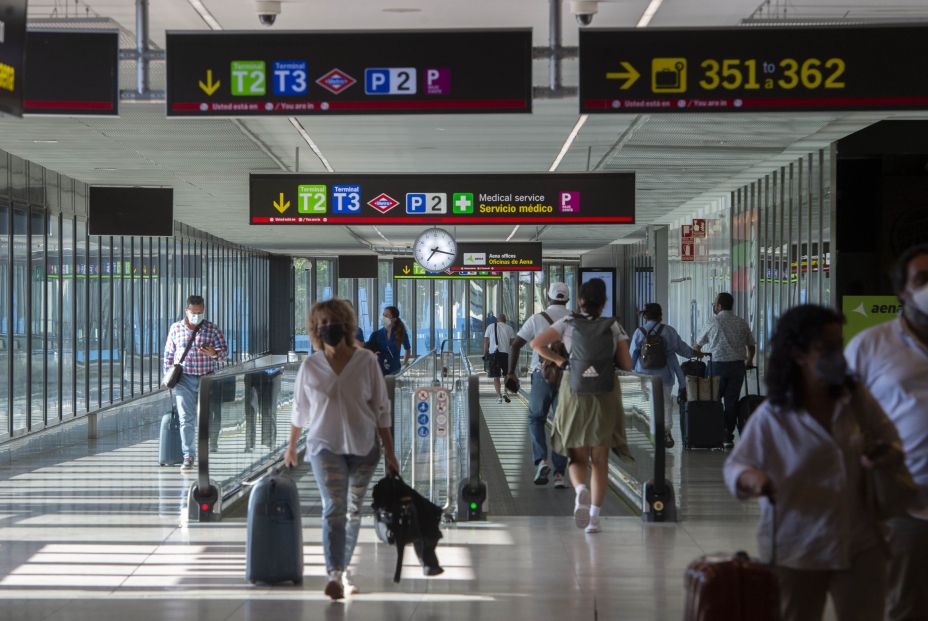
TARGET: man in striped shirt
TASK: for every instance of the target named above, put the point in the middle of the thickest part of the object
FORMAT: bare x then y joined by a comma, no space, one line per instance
207,351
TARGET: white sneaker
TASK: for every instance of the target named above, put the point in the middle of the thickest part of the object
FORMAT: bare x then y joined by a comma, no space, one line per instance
499,399
582,508
559,481
349,587
593,526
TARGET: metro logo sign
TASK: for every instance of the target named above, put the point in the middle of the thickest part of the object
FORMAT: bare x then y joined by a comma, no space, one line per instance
336,81
383,203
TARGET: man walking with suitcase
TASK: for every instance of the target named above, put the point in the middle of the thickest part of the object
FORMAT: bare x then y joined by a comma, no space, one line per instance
207,350
891,359
543,396
729,339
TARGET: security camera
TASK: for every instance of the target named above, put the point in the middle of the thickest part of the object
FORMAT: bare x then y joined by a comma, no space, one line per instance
584,10
268,10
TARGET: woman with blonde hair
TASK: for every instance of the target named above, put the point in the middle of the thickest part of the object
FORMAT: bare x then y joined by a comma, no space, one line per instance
340,398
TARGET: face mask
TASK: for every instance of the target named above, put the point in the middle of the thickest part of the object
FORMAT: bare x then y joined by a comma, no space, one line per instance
920,300
384,321
332,334
832,368
194,318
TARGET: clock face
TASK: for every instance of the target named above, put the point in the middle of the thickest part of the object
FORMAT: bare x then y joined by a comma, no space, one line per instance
435,250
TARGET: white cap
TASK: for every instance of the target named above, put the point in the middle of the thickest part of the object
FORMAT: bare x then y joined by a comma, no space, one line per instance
558,292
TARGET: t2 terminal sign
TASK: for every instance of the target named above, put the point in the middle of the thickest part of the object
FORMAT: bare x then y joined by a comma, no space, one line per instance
859,67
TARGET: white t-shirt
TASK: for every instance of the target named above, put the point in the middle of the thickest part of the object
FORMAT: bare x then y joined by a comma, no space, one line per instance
536,324
565,328
341,413
506,334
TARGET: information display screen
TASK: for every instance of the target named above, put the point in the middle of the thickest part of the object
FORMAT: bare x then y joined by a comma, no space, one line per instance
383,199
406,268
357,266
501,257
72,72
607,274
12,55
122,210
232,74
873,67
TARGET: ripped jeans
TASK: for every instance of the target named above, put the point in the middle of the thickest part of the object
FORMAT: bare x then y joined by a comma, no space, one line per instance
342,481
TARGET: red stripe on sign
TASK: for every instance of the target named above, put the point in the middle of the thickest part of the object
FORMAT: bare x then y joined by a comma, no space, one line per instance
67,105
831,102
462,220
438,104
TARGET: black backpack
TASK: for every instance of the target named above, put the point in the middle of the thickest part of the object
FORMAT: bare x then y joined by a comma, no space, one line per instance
653,351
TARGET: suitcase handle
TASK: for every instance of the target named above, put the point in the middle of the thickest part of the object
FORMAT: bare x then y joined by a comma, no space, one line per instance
747,391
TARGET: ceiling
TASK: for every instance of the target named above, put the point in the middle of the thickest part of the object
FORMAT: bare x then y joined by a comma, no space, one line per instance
683,162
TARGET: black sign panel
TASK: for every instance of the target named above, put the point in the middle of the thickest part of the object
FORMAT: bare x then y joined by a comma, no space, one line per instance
357,266
508,257
298,73
518,198
124,210
12,55
406,268
72,72
753,69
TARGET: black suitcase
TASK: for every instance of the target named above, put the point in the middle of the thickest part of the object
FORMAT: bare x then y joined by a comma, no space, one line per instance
170,451
748,403
703,425
274,550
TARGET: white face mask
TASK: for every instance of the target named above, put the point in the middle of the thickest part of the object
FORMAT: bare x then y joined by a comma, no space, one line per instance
384,321
194,318
920,299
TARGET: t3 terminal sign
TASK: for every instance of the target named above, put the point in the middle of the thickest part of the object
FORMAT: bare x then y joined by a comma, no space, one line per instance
375,72
872,67
384,199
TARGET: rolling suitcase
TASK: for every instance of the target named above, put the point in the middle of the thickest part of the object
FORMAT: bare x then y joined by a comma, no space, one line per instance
274,549
170,451
748,403
732,588
703,425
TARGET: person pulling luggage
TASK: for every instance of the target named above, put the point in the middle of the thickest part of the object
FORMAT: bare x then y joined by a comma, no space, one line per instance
654,350
590,420
340,398
809,446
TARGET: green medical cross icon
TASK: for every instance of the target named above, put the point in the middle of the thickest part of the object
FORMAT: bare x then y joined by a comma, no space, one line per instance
463,203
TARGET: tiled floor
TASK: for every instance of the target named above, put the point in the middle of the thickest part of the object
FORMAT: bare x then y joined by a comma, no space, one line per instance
95,534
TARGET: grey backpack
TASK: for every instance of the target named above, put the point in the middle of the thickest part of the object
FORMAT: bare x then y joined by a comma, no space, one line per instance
592,356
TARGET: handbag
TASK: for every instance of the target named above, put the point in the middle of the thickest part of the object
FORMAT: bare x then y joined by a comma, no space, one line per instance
889,489
551,372
172,375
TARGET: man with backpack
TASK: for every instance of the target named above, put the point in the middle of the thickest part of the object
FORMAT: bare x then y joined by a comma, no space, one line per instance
543,396
654,350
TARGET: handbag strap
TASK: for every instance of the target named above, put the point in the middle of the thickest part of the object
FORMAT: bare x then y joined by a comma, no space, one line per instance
189,343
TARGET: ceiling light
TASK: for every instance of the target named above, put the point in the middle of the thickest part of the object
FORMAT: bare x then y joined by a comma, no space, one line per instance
204,14
44,142
568,142
649,13
312,145
516,228
105,169
401,10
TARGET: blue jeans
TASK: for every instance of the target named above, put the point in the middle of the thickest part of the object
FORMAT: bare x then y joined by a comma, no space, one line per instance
731,377
342,481
185,397
541,400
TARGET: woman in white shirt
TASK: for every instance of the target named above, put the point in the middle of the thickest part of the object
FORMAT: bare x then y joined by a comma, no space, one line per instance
340,398
807,447
587,426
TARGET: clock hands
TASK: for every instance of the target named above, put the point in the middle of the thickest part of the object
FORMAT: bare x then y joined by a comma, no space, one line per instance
434,250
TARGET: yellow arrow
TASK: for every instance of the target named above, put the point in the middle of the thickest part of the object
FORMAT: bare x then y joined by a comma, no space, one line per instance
630,75
405,269
282,206
210,87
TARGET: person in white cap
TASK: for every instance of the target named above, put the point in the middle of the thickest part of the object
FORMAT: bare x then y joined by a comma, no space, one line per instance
543,396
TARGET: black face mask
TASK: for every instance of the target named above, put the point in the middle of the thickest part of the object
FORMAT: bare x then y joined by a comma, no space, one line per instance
332,334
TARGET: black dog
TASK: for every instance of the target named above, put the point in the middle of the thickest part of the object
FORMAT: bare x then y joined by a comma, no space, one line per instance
403,516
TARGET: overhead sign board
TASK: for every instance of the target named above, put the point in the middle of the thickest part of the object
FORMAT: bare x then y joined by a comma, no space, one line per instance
874,67
383,199
231,74
501,257
406,268
12,55
72,72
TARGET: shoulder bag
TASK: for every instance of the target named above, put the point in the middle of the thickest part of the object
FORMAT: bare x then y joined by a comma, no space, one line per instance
172,375
550,371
